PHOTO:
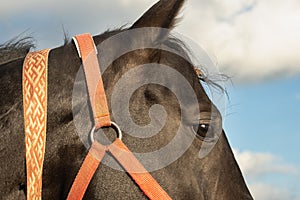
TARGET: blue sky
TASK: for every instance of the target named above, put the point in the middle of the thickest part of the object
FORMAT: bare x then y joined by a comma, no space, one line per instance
254,42
270,111
262,124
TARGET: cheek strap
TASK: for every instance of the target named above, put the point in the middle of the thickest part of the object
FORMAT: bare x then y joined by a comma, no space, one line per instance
88,52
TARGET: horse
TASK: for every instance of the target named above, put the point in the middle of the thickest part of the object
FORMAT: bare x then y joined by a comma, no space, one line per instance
213,176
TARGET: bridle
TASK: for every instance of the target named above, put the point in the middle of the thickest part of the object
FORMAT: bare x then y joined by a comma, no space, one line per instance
35,126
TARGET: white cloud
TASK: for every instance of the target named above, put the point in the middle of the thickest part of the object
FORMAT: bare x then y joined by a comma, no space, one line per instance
259,167
255,165
268,192
253,40
46,18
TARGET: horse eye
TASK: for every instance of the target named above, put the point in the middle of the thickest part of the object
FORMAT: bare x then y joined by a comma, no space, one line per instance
204,127
202,130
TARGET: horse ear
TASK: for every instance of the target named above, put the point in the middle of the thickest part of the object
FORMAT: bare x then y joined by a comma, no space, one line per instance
162,14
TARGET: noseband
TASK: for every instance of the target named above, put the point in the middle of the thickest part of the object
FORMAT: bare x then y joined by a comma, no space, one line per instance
35,88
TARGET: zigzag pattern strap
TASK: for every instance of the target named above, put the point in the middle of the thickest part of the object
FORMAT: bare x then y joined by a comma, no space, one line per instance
35,118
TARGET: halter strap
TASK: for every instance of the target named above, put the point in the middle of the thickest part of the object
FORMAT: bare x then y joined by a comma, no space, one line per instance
34,83
118,149
138,173
86,49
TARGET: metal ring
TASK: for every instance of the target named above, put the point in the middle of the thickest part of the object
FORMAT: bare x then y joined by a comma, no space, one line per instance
113,125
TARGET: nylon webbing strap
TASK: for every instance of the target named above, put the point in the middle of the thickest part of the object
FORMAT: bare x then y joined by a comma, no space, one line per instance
35,118
87,171
118,149
138,173
88,53
125,157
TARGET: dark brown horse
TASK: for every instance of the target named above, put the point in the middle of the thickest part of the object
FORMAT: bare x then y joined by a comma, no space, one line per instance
190,176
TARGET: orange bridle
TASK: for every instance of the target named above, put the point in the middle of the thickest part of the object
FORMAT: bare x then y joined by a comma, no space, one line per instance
118,149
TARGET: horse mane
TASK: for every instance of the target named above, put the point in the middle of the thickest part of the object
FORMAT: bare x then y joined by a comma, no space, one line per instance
203,76
19,46
15,48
